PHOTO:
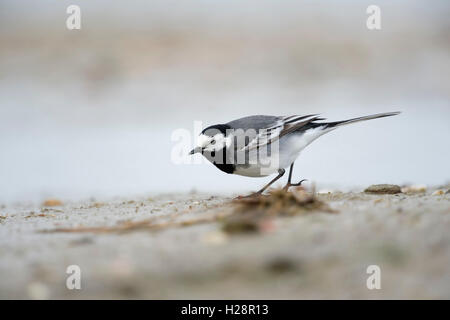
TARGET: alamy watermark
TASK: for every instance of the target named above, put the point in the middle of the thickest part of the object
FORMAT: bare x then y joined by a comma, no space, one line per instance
73,281
374,280
373,22
73,21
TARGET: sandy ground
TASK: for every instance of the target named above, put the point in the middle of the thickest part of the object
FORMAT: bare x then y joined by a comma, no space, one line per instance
174,246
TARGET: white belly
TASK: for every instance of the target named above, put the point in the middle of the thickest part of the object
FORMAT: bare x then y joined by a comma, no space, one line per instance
283,154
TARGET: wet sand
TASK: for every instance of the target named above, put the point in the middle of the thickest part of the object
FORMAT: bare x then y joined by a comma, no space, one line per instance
175,246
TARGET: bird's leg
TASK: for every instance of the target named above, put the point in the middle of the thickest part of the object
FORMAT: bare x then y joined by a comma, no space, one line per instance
290,175
281,172
289,184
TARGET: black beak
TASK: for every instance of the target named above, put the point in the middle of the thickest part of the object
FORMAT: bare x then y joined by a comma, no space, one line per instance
196,150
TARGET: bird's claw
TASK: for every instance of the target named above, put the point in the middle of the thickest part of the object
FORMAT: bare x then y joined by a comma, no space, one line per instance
287,186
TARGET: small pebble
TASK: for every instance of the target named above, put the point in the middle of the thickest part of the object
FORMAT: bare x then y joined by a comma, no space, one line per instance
383,189
417,188
52,203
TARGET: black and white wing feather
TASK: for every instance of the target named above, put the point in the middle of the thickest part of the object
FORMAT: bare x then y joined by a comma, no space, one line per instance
282,127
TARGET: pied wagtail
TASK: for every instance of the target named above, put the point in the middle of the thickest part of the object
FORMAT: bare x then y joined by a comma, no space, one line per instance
258,146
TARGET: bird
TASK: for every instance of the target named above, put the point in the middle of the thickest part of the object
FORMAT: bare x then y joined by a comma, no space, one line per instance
262,145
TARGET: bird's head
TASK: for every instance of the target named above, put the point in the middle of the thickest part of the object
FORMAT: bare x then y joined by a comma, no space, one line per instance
212,139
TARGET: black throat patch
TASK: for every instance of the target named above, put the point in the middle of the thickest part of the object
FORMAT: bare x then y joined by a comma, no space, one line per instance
219,159
225,167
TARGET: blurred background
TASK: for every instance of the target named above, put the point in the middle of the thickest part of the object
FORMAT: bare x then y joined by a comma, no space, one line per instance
90,112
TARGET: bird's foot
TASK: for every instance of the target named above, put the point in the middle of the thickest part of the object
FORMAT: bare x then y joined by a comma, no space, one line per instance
288,185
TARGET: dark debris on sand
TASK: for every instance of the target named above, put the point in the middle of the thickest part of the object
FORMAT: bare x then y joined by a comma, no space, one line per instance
280,202
253,214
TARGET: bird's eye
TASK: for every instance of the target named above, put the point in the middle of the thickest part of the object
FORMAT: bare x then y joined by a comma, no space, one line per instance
213,141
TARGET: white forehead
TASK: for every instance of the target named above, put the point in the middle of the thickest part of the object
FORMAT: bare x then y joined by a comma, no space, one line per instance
204,140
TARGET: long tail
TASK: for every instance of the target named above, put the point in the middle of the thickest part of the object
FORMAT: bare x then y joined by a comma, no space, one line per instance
374,116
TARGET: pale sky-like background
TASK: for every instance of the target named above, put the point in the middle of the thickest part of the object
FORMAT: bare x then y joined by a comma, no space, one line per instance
90,112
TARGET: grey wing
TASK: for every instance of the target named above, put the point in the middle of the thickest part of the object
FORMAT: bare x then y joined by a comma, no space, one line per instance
247,129
281,127
254,122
